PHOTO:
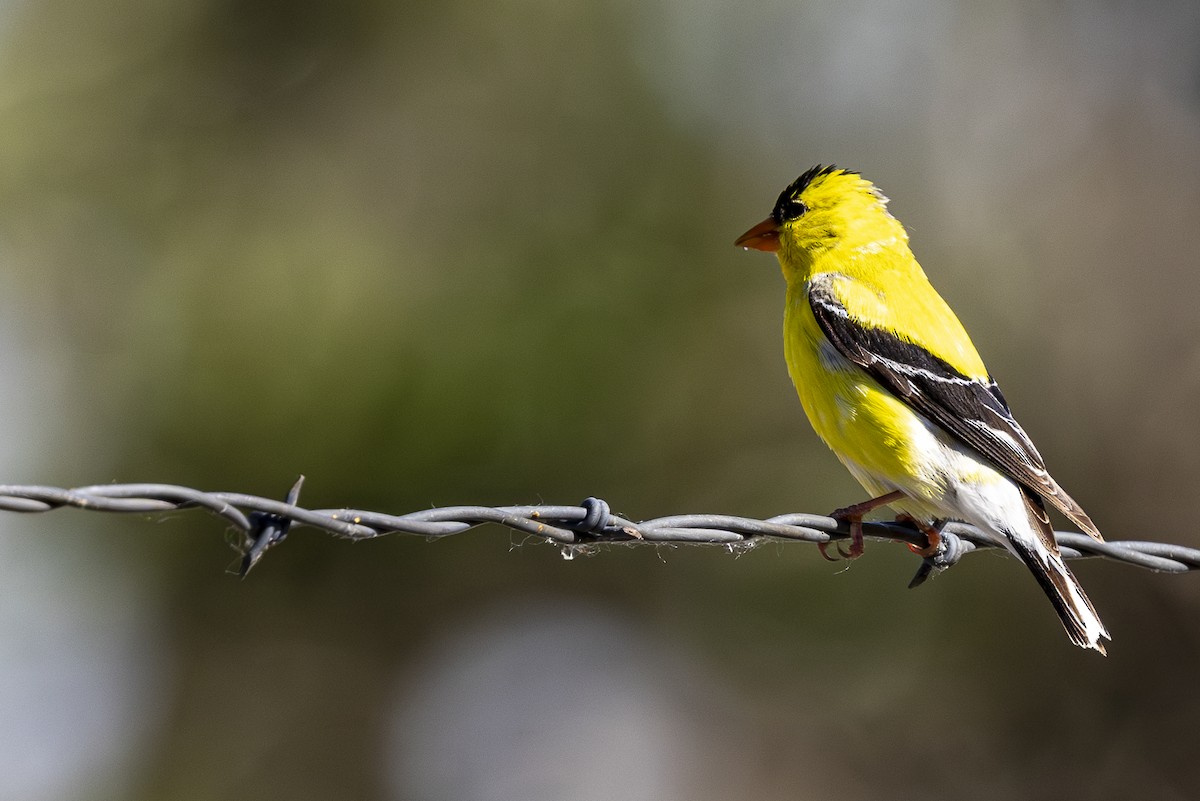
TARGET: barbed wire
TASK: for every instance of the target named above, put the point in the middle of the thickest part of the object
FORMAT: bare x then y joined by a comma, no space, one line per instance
262,523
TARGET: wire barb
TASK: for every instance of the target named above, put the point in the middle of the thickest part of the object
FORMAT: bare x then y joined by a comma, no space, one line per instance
951,548
268,529
264,523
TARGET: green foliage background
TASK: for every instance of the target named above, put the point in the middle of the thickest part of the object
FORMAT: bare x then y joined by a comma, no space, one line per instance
461,252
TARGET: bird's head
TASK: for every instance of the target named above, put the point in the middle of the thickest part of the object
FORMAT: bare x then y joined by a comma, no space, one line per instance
823,209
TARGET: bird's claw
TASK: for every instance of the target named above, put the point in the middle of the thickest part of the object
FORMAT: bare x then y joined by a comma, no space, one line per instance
856,536
933,536
853,514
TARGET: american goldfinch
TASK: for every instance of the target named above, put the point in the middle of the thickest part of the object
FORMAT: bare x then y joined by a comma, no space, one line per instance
892,383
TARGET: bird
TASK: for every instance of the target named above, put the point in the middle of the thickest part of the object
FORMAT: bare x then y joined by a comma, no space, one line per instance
892,383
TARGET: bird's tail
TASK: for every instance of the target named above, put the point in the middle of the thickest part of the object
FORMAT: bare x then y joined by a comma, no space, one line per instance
1043,559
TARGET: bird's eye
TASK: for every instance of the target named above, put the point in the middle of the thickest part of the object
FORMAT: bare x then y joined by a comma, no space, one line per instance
789,209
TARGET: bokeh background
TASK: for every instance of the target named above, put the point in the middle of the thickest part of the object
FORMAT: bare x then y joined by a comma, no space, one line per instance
432,253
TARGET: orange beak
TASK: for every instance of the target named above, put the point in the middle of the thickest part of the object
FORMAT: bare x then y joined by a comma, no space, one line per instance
764,236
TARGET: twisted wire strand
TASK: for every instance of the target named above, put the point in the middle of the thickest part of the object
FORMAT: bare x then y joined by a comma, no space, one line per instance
263,523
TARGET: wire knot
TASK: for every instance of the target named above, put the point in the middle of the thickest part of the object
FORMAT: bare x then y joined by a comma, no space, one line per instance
597,519
951,548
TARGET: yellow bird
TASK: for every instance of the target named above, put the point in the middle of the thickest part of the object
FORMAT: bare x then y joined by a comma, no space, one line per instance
892,383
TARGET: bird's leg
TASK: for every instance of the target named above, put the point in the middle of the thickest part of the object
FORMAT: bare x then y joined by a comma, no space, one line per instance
933,535
854,515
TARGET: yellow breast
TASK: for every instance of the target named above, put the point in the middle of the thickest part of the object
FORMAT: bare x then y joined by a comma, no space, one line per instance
869,429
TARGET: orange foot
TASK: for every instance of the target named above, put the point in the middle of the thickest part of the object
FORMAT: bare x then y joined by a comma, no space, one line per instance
933,535
854,515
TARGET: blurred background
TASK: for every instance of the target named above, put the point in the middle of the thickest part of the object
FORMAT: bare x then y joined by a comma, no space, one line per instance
433,253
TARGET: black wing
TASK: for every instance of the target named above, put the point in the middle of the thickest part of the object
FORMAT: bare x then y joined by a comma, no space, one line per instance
973,411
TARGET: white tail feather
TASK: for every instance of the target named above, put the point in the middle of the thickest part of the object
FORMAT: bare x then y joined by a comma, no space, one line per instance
1074,609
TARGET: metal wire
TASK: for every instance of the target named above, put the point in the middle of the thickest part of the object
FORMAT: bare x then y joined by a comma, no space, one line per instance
263,523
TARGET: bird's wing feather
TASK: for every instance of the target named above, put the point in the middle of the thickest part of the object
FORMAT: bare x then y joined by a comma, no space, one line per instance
972,410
